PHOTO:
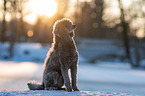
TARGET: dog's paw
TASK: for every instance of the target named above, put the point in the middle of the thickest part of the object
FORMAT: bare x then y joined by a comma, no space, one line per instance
50,88
76,89
69,89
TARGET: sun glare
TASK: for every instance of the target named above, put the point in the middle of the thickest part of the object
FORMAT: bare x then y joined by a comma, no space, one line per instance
46,7
40,8
140,33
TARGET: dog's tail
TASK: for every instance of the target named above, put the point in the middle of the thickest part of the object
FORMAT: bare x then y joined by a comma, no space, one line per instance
33,85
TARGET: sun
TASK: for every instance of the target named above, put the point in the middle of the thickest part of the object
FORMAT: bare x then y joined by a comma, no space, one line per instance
43,7
46,7
40,8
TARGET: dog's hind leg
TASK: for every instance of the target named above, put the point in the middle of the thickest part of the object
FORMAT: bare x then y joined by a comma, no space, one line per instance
54,81
60,83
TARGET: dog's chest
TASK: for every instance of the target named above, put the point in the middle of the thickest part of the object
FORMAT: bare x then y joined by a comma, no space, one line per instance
72,56
68,54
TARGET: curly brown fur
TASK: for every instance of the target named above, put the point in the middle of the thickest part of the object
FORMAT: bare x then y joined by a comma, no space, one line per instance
62,56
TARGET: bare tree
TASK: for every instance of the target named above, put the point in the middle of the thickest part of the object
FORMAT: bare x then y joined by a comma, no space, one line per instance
125,28
3,31
17,27
88,16
22,36
127,20
13,27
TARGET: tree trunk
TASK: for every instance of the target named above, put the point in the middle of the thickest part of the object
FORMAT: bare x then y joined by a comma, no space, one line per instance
12,38
13,30
125,28
3,39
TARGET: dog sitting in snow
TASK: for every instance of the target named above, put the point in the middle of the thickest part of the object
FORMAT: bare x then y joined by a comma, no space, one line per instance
60,58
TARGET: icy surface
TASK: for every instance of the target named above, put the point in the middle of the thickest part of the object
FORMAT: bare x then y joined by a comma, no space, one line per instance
62,93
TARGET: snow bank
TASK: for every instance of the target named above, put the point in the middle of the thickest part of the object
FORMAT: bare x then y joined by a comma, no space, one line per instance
35,52
63,93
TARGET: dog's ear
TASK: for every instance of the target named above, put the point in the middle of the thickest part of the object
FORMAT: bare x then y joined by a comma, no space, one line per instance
56,32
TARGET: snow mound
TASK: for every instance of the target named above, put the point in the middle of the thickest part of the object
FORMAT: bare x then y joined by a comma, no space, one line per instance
63,93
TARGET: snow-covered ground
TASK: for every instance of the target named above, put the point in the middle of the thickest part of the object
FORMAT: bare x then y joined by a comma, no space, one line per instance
62,93
114,79
101,78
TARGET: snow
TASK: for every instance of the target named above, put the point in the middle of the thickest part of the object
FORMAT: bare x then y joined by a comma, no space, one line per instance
96,48
62,93
91,73
17,69
102,78
29,52
142,63
91,78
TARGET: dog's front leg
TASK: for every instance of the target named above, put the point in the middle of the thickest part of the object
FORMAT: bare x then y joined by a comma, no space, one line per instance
74,77
65,75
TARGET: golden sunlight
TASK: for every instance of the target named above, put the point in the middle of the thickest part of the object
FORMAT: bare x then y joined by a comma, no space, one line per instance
40,8
46,7
140,33
16,70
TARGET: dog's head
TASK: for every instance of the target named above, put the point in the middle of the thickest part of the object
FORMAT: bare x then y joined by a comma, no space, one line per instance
64,28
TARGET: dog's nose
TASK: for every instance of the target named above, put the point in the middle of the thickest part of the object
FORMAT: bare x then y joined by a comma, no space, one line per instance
74,26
